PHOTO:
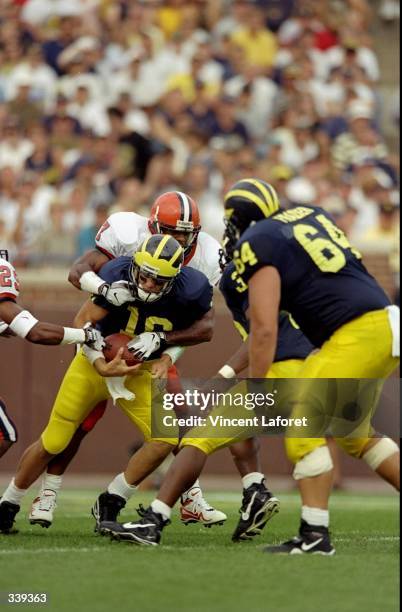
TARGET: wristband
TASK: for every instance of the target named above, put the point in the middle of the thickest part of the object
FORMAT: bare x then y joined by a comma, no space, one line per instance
91,282
22,324
227,372
73,335
174,352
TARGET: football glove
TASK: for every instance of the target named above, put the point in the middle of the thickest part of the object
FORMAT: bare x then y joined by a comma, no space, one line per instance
93,338
117,293
146,343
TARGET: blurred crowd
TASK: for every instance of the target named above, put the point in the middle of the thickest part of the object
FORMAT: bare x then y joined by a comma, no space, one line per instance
104,104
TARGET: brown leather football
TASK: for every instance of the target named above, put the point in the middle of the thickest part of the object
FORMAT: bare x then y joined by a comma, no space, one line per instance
116,341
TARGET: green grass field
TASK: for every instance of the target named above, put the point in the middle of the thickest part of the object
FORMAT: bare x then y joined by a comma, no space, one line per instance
200,569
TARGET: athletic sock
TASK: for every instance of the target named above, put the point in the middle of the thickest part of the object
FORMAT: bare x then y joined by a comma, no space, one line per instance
119,486
13,494
161,508
316,517
252,478
51,482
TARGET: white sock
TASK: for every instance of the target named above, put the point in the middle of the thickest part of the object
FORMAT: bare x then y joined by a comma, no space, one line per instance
51,482
315,516
161,508
120,486
252,478
13,494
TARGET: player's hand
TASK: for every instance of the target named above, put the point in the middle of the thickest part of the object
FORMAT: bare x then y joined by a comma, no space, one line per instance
5,331
116,367
160,367
145,344
93,338
117,293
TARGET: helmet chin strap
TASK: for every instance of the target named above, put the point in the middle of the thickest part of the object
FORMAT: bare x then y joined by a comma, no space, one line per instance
146,296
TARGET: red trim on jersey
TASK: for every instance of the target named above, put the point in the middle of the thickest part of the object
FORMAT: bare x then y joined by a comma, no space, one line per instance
8,296
105,252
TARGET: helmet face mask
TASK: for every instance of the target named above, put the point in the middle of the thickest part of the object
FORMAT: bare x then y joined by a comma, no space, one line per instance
4,254
160,259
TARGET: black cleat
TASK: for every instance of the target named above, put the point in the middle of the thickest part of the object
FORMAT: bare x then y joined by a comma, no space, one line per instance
258,507
8,512
107,508
311,540
145,532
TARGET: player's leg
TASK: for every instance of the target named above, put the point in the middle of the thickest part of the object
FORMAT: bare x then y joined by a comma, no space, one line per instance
184,470
361,349
45,503
82,388
8,431
194,508
380,453
313,473
150,455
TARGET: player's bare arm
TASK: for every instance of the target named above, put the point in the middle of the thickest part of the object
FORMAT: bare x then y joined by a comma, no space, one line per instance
237,362
89,262
201,331
83,275
40,332
264,294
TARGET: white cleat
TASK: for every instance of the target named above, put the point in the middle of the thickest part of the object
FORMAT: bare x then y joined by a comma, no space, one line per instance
195,509
42,509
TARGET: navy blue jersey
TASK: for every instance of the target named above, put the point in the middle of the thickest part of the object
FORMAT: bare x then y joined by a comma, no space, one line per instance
189,300
292,343
323,281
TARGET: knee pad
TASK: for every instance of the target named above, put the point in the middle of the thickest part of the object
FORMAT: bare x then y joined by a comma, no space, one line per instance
381,451
315,463
297,448
57,436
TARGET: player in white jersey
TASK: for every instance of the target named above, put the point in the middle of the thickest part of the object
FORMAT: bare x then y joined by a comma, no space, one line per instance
173,213
16,321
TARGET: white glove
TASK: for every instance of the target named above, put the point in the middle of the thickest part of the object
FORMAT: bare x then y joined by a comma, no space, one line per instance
93,338
146,343
3,327
117,293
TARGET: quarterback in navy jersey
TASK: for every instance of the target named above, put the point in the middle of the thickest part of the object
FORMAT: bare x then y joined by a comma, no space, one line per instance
152,273
189,299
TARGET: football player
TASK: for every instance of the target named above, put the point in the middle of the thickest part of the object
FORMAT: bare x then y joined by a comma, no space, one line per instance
174,213
166,306
297,260
19,322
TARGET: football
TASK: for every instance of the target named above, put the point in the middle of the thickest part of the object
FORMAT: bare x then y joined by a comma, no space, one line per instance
116,341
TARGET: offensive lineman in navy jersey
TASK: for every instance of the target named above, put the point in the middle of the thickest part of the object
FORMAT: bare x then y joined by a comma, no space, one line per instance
299,260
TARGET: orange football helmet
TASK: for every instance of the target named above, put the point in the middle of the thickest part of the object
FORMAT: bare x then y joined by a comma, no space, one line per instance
177,214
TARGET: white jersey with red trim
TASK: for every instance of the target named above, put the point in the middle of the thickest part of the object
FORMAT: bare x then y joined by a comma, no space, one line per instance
9,286
123,232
